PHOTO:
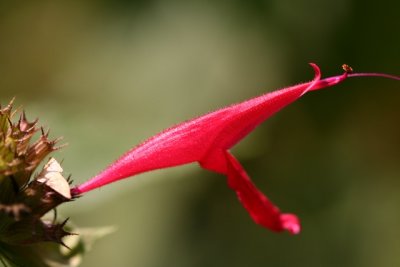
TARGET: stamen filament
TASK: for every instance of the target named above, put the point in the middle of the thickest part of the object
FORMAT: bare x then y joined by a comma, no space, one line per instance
374,74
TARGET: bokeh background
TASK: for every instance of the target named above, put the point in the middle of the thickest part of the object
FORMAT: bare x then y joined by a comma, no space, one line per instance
108,74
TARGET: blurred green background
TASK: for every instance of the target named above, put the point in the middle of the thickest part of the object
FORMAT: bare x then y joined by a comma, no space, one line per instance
108,74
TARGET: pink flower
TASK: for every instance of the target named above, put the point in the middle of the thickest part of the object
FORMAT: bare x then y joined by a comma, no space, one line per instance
207,140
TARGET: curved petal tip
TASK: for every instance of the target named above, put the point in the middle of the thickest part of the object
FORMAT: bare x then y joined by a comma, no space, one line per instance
291,223
317,71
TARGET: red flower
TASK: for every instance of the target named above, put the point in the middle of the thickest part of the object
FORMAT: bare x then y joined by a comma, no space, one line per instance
208,138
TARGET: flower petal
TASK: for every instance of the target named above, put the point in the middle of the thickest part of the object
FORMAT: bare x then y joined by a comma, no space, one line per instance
260,208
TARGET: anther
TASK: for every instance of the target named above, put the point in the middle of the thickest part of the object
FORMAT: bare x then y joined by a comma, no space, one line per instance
347,68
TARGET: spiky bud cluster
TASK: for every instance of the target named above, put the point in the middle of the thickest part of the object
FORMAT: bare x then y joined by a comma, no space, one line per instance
25,198
18,156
